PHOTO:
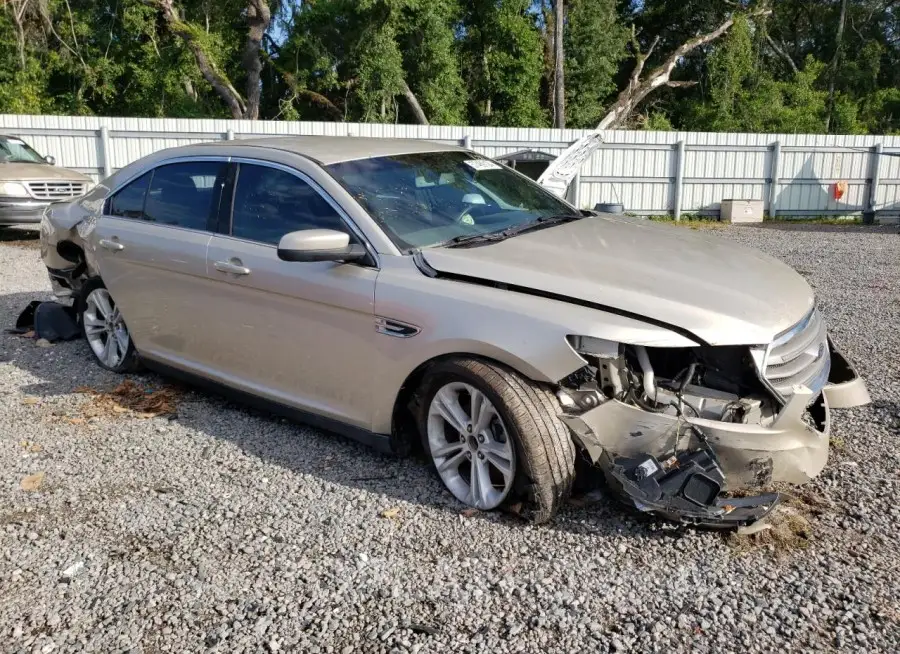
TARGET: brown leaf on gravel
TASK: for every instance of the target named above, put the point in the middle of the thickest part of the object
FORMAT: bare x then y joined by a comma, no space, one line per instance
32,482
130,398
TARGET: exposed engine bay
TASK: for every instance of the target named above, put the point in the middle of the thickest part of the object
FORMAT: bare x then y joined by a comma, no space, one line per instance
678,475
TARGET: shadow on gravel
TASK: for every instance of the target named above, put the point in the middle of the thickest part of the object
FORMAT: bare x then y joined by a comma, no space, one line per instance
20,236
272,439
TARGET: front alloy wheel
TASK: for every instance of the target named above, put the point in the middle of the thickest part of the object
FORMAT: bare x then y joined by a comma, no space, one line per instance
470,446
106,332
495,437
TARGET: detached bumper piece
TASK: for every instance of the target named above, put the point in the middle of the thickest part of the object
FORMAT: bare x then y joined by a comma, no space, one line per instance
685,488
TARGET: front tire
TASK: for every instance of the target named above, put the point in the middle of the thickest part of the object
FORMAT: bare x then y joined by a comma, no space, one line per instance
494,438
105,330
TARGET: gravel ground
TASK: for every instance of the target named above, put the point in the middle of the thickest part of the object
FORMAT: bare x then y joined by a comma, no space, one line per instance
224,530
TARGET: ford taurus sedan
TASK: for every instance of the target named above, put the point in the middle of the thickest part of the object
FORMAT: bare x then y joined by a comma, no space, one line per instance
404,292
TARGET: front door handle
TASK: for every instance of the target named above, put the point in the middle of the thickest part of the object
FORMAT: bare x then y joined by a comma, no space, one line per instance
234,267
111,245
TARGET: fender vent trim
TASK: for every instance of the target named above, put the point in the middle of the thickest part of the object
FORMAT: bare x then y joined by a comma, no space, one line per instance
397,328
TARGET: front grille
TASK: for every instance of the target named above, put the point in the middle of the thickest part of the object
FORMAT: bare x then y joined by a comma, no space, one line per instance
799,357
56,190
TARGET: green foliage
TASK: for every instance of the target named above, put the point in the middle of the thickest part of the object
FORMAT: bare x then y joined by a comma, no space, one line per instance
595,43
483,62
503,59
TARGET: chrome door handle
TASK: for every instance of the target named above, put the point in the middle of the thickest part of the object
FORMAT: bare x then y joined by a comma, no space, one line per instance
112,246
231,267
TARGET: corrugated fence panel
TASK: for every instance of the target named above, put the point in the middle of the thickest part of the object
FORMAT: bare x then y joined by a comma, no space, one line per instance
636,168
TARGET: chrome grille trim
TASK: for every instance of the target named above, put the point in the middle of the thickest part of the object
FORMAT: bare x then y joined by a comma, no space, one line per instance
55,189
798,357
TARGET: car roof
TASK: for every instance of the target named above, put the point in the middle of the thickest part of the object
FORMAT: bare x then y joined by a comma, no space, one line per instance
333,149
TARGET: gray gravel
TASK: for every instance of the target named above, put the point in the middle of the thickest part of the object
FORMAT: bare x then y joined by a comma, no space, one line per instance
224,530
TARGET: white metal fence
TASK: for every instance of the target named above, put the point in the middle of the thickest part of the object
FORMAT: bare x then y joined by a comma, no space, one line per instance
648,172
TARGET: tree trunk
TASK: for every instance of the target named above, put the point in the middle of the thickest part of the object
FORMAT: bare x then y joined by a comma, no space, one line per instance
413,101
838,43
559,87
258,18
220,83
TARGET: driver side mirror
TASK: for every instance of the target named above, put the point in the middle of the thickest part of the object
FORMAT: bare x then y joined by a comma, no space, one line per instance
319,245
50,159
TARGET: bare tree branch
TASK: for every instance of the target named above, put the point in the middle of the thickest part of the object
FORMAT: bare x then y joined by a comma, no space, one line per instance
413,102
782,53
639,88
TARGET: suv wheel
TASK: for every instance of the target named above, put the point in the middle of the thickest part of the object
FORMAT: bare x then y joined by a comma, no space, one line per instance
105,330
494,437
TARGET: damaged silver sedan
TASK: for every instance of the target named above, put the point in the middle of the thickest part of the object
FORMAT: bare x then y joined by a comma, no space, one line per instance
413,294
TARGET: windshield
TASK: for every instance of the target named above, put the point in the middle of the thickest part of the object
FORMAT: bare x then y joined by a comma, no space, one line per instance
13,150
429,198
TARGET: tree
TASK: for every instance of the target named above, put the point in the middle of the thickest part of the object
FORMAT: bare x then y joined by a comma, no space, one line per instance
258,17
559,59
502,55
595,45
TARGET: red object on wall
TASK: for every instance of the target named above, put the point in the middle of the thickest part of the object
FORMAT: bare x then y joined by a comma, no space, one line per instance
839,189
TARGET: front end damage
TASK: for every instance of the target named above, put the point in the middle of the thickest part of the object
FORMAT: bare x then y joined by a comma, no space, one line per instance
676,429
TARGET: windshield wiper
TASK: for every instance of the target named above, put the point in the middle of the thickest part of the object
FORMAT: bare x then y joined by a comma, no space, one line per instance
495,237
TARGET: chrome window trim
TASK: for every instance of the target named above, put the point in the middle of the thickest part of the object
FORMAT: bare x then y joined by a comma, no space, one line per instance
316,187
164,162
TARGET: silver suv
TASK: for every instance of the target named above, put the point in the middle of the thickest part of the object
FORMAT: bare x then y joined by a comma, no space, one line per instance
402,291
29,183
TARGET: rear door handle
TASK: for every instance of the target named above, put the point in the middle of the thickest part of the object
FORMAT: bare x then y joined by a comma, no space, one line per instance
111,245
234,267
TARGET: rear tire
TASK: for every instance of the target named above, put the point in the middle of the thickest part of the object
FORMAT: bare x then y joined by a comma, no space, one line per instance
105,331
543,454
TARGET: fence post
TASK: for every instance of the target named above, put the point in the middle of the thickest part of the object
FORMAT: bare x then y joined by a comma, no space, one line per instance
874,175
105,154
679,177
774,172
229,135
467,141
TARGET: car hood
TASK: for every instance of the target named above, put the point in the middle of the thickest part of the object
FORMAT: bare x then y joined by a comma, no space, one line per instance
18,172
717,290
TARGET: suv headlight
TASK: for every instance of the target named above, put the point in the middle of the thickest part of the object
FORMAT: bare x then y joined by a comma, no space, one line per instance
13,190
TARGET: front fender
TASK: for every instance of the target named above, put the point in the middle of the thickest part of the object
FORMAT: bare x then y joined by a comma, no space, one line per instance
525,332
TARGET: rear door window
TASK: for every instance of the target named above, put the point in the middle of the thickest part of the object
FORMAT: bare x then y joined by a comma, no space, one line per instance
269,203
185,194
128,202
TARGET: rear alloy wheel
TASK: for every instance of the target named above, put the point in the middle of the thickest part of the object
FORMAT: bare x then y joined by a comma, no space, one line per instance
494,437
106,332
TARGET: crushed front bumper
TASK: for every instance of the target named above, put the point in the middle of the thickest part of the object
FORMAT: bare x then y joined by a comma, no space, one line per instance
792,449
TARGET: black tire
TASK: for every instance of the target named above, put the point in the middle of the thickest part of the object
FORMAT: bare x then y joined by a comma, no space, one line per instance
131,361
543,446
